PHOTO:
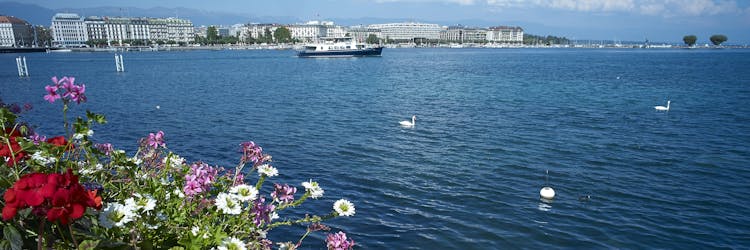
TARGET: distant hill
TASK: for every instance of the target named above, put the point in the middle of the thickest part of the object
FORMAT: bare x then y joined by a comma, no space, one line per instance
39,15
32,13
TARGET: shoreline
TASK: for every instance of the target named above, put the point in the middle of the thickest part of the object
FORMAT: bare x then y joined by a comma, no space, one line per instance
389,46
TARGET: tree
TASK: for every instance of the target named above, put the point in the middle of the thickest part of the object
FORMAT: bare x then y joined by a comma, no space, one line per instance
282,35
372,39
43,36
689,40
718,39
267,36
212,34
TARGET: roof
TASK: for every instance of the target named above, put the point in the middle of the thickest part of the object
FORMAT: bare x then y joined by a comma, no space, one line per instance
12,19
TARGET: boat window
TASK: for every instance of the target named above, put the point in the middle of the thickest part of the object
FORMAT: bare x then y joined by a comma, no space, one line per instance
348,47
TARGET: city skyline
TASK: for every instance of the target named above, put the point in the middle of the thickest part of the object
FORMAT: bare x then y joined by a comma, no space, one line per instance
624,20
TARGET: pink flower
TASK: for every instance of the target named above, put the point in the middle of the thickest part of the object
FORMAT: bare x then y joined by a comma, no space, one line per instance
51,93
155,140
199,179
283,193
338,241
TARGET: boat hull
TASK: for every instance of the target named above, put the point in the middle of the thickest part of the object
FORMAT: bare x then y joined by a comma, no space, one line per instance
342,53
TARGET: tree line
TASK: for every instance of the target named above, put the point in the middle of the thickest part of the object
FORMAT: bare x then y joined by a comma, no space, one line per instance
717,40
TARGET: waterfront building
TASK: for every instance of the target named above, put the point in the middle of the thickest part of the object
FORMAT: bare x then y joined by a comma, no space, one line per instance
179,30
222,31
236,29
68,30
257,30
463,34
408,31
505,34
360,33
307,32
335,31
15,32
117,29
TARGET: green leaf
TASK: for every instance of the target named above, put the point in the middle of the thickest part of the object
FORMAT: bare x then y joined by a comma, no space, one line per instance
88,245
12,235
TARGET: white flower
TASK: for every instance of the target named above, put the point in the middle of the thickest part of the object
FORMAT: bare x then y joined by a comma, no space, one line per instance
228,203
38,157
245,192
86,171
140,202
343,207
267,170
90,132
232,243
274,216
179,193
135,160
174,160
78,136
195,230
315,190
116,215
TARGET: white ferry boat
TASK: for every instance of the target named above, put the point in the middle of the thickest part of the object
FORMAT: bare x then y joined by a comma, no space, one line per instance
338,47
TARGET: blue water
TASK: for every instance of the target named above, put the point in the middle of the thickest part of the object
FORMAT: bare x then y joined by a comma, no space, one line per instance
489,123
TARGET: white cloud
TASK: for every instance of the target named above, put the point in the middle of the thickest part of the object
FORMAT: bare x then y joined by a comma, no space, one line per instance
646,7
461,2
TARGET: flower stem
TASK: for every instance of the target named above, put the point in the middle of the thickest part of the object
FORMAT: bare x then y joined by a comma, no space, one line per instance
73,237
260,182
40,239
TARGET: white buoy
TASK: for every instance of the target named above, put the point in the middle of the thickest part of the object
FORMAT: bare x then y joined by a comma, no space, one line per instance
547,192
158,107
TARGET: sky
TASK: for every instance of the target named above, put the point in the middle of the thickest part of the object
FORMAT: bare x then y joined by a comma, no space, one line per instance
619,20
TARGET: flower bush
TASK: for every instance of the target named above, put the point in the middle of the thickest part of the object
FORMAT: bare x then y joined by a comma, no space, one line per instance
71,192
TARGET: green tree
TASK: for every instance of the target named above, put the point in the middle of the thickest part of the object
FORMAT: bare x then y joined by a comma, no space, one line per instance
212,34
282,35
43,36
718,39
689,40
372,39
267,36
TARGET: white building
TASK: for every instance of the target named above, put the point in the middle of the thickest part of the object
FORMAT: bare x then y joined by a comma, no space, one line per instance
505,34
463,34
257,30
408,31
307,32
117,29
360,33
68,30
180,30
14,32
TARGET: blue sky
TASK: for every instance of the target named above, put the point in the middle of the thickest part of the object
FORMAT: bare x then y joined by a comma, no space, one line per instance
631,20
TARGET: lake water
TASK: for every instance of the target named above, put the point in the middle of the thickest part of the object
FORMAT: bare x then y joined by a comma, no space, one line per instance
490,122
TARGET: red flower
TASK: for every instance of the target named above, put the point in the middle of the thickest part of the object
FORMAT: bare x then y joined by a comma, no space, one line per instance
56,196
96,199
11,153
60,141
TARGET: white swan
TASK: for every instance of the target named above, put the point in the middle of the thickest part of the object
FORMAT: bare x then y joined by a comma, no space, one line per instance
408,123
662,108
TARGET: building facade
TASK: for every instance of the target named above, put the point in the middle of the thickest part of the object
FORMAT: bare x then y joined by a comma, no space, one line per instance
505,34
68,30
257,30
463,34
360,33
408,31
15,32
115,30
